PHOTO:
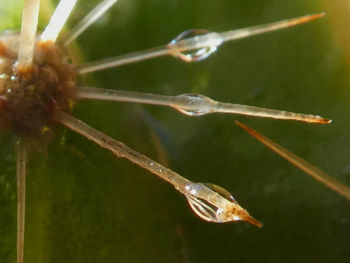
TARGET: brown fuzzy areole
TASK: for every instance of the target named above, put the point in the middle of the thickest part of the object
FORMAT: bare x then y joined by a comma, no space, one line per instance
29,98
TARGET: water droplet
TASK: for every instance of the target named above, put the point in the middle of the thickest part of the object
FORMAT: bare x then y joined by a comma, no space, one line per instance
210,45
213,203
194,104
203,209
221,191
200,206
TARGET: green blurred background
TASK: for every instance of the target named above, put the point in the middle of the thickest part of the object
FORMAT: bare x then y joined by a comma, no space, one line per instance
84,205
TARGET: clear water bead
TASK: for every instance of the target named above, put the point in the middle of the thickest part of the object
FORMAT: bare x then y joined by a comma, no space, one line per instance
200,44
194,104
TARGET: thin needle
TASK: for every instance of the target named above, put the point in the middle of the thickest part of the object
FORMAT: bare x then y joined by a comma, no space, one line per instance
308,168
28,35
200,42
21,198
58,20
208,203
88,20
260,29
122,60
193,104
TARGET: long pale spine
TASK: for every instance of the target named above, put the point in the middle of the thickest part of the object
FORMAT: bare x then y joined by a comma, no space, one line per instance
225,210
121,150
21,198
178,47
58,20
88,20
308,168
28,34
193,104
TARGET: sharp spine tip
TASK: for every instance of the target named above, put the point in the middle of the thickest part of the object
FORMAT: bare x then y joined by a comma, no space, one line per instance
316,16
306,19
251,220
321,120
326,121
321,14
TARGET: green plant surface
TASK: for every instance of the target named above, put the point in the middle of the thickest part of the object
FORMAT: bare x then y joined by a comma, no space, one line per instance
84,205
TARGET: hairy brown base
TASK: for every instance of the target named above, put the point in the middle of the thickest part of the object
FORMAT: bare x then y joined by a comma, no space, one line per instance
29,97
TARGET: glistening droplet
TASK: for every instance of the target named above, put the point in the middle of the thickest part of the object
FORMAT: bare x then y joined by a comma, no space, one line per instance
213,41
194,104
